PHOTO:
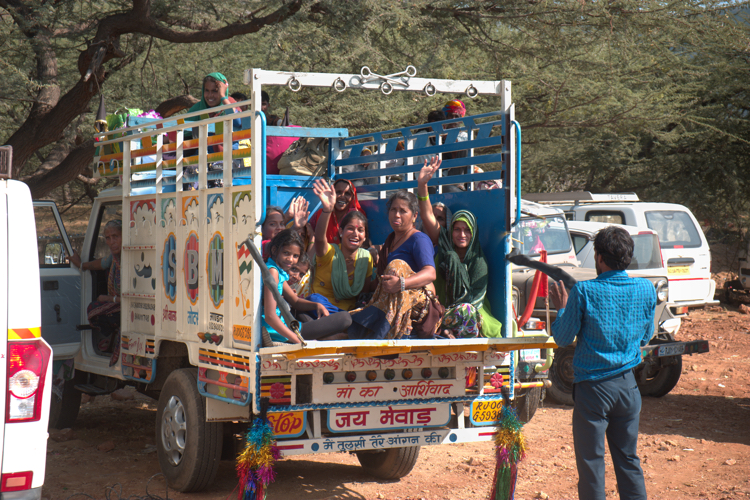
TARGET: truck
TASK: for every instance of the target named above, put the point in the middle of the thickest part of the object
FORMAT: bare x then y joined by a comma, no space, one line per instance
545,227
25,357
190,322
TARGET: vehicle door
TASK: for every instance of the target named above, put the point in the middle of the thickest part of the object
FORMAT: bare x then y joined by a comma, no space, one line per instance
60,282
686,255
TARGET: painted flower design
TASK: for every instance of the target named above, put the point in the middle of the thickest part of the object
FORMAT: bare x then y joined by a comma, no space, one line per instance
277,390
497,380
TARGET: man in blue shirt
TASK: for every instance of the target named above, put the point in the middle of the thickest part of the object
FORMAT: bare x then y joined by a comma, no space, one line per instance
611,316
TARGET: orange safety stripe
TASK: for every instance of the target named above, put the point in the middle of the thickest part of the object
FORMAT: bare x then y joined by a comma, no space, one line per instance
24,333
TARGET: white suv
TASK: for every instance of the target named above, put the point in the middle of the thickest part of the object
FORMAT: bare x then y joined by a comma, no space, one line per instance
26,375
684,249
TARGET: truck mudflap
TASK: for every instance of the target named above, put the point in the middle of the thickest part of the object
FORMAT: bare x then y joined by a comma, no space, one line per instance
674,349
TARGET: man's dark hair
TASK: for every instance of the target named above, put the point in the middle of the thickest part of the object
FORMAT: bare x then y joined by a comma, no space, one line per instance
436,116
239,96
265,97
615,246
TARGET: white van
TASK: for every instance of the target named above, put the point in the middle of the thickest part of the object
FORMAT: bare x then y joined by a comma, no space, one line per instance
684,249
25,364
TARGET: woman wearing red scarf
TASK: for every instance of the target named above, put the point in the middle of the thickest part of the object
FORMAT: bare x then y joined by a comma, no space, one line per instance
346,201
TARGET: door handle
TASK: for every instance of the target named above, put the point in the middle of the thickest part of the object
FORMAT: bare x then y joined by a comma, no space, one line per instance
57,312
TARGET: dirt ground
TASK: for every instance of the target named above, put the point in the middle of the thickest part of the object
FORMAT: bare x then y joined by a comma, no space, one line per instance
694,444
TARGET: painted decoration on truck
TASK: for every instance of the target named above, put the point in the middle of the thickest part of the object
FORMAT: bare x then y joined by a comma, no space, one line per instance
388,417
190,267
168,212
242,207
190,210
244,268
215,212
215,269
277,389
389,391
143,281
169,267
287,423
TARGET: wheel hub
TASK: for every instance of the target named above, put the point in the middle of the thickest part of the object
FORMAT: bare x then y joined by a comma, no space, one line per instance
174,430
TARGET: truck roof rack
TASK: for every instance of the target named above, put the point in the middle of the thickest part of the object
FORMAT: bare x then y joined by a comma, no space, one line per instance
580,197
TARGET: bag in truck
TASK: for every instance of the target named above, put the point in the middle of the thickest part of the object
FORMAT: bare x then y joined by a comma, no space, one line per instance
306,156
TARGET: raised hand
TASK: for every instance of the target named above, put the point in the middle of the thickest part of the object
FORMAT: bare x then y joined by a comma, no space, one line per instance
301,213
326,193
428,170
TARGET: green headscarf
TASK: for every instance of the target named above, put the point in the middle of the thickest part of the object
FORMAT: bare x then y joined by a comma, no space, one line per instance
201,105
340,278
458,281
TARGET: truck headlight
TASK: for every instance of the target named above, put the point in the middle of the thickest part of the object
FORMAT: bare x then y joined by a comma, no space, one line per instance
662,291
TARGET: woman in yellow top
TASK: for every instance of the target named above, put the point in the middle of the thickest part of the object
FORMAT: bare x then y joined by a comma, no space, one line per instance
343,271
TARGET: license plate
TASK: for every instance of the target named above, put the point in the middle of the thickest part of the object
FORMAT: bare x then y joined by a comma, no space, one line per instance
486,412
671,350
679,270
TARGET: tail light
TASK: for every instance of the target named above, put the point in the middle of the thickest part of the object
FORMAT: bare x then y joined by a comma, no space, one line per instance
27,367
16,481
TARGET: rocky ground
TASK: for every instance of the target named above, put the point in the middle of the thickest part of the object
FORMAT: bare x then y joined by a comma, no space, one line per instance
694,444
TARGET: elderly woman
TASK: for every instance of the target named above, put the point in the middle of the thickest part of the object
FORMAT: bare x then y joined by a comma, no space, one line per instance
461,267
406,267
104,312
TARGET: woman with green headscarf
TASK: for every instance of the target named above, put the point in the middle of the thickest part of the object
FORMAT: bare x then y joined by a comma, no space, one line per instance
461,268
215,93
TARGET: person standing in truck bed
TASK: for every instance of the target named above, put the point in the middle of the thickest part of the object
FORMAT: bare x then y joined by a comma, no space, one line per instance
612,316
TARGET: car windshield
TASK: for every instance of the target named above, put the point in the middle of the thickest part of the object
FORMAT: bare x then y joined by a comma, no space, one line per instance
675,229
543,233
646,253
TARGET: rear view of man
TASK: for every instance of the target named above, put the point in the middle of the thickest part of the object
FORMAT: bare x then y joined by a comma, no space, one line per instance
612,316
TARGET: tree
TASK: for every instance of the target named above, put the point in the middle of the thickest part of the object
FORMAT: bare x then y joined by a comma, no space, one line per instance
114,35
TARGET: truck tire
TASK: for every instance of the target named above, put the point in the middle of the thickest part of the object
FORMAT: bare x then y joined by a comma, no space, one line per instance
63,412
659,381
526,403
189,448
391,463
561,376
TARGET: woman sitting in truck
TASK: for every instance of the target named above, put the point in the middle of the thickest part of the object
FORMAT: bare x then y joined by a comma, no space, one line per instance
104,312
401,304
342,272
286,247
461,267
215,93
346,201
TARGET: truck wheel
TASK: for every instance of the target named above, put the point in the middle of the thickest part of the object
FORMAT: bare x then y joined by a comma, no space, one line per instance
189,448
561,376
391,463
63,412
526,403
659,380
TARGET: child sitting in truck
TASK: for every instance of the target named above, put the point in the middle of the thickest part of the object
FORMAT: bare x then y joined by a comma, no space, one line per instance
299,276
272,225
343,270
285,249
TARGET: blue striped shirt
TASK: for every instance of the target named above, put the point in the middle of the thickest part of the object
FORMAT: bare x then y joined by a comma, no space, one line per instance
612,316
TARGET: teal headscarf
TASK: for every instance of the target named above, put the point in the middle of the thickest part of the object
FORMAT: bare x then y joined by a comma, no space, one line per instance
201,105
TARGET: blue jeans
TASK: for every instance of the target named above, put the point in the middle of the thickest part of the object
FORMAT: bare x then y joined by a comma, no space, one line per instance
608,407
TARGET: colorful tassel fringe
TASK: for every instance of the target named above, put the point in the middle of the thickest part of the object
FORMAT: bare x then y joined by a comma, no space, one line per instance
510,449
255,463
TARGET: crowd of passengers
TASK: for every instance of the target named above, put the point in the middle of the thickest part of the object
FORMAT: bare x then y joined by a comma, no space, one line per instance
418,284
428,283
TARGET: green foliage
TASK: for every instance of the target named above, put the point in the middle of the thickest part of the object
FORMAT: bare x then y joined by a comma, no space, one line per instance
642,95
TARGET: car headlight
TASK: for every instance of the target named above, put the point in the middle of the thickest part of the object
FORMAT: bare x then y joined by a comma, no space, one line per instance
662,291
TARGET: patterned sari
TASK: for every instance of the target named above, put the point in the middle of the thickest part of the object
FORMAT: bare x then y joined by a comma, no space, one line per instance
105,316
